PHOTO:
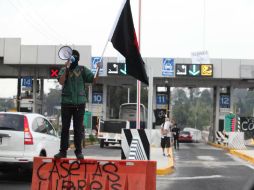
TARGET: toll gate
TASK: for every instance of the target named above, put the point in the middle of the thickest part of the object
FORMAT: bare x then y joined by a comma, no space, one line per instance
38,62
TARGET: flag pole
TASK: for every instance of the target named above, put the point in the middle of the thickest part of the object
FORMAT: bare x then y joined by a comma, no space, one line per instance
138,82
109,37
100,62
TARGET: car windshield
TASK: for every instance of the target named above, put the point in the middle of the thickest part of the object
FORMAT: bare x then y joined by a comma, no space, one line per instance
128,112
184,133
11,122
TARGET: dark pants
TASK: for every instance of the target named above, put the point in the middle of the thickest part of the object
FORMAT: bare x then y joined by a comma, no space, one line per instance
67,112
176,142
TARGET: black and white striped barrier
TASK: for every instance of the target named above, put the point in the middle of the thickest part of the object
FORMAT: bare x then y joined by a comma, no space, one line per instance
221,138
136,151
135,144
238,123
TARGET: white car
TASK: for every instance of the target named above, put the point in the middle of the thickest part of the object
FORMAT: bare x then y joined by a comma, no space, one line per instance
24,136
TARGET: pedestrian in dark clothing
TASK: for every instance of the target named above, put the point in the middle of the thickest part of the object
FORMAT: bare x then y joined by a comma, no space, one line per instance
176,132
73,78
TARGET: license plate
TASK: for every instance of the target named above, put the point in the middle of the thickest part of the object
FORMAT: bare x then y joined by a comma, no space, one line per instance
111,136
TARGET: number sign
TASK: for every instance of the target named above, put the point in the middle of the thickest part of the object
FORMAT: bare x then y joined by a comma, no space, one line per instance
97,98
161,99
224,100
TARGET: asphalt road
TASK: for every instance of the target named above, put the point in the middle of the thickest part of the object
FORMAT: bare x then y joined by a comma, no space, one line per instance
202,167
198,167
15,180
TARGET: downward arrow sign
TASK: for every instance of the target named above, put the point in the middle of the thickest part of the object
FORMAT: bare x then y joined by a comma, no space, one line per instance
194,70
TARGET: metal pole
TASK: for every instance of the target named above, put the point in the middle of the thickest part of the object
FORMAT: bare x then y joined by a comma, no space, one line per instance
41,95
215,88
216,96
19,89
150,105
34,94
19,92
138,82
128,93
169,110
150,101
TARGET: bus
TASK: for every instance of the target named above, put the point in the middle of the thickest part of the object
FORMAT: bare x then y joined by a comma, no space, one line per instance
109,131
127,112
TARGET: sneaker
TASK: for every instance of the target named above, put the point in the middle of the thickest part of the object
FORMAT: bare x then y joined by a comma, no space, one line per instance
60,155
79,155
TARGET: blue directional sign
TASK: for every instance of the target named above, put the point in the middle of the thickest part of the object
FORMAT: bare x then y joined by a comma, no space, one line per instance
97,98
224,100
168,67
161,99
27,82
94,62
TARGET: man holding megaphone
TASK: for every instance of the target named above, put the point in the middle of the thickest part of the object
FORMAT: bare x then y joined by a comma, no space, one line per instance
73,77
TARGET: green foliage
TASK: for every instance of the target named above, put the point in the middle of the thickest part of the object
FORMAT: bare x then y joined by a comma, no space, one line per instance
6,104
243,101
191,107
194,110
144,95
53,98
116,96
92,138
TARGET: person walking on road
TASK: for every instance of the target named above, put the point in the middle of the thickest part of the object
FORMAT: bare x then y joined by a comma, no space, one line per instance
165,136
176,132
73,78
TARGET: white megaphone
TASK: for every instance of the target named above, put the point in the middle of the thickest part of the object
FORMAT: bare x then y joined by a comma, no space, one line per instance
65,53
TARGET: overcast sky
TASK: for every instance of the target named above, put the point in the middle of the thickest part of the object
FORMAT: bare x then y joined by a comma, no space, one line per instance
169,28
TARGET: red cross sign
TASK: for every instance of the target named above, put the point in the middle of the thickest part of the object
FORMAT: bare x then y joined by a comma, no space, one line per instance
54,72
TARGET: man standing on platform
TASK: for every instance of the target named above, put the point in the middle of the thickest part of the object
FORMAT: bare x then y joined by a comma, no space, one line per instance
73,78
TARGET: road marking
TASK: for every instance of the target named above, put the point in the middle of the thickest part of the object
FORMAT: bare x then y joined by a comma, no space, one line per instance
243,162
190,178
208,158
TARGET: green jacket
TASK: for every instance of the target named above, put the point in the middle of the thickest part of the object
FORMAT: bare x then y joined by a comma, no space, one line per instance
73,91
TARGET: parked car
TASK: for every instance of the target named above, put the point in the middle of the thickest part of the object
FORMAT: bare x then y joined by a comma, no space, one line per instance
195,134
185,136
24,136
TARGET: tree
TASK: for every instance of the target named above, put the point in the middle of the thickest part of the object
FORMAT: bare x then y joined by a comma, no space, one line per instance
117,95
52,99
193,111
143,98
180,107
6,104
206,97
243,101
